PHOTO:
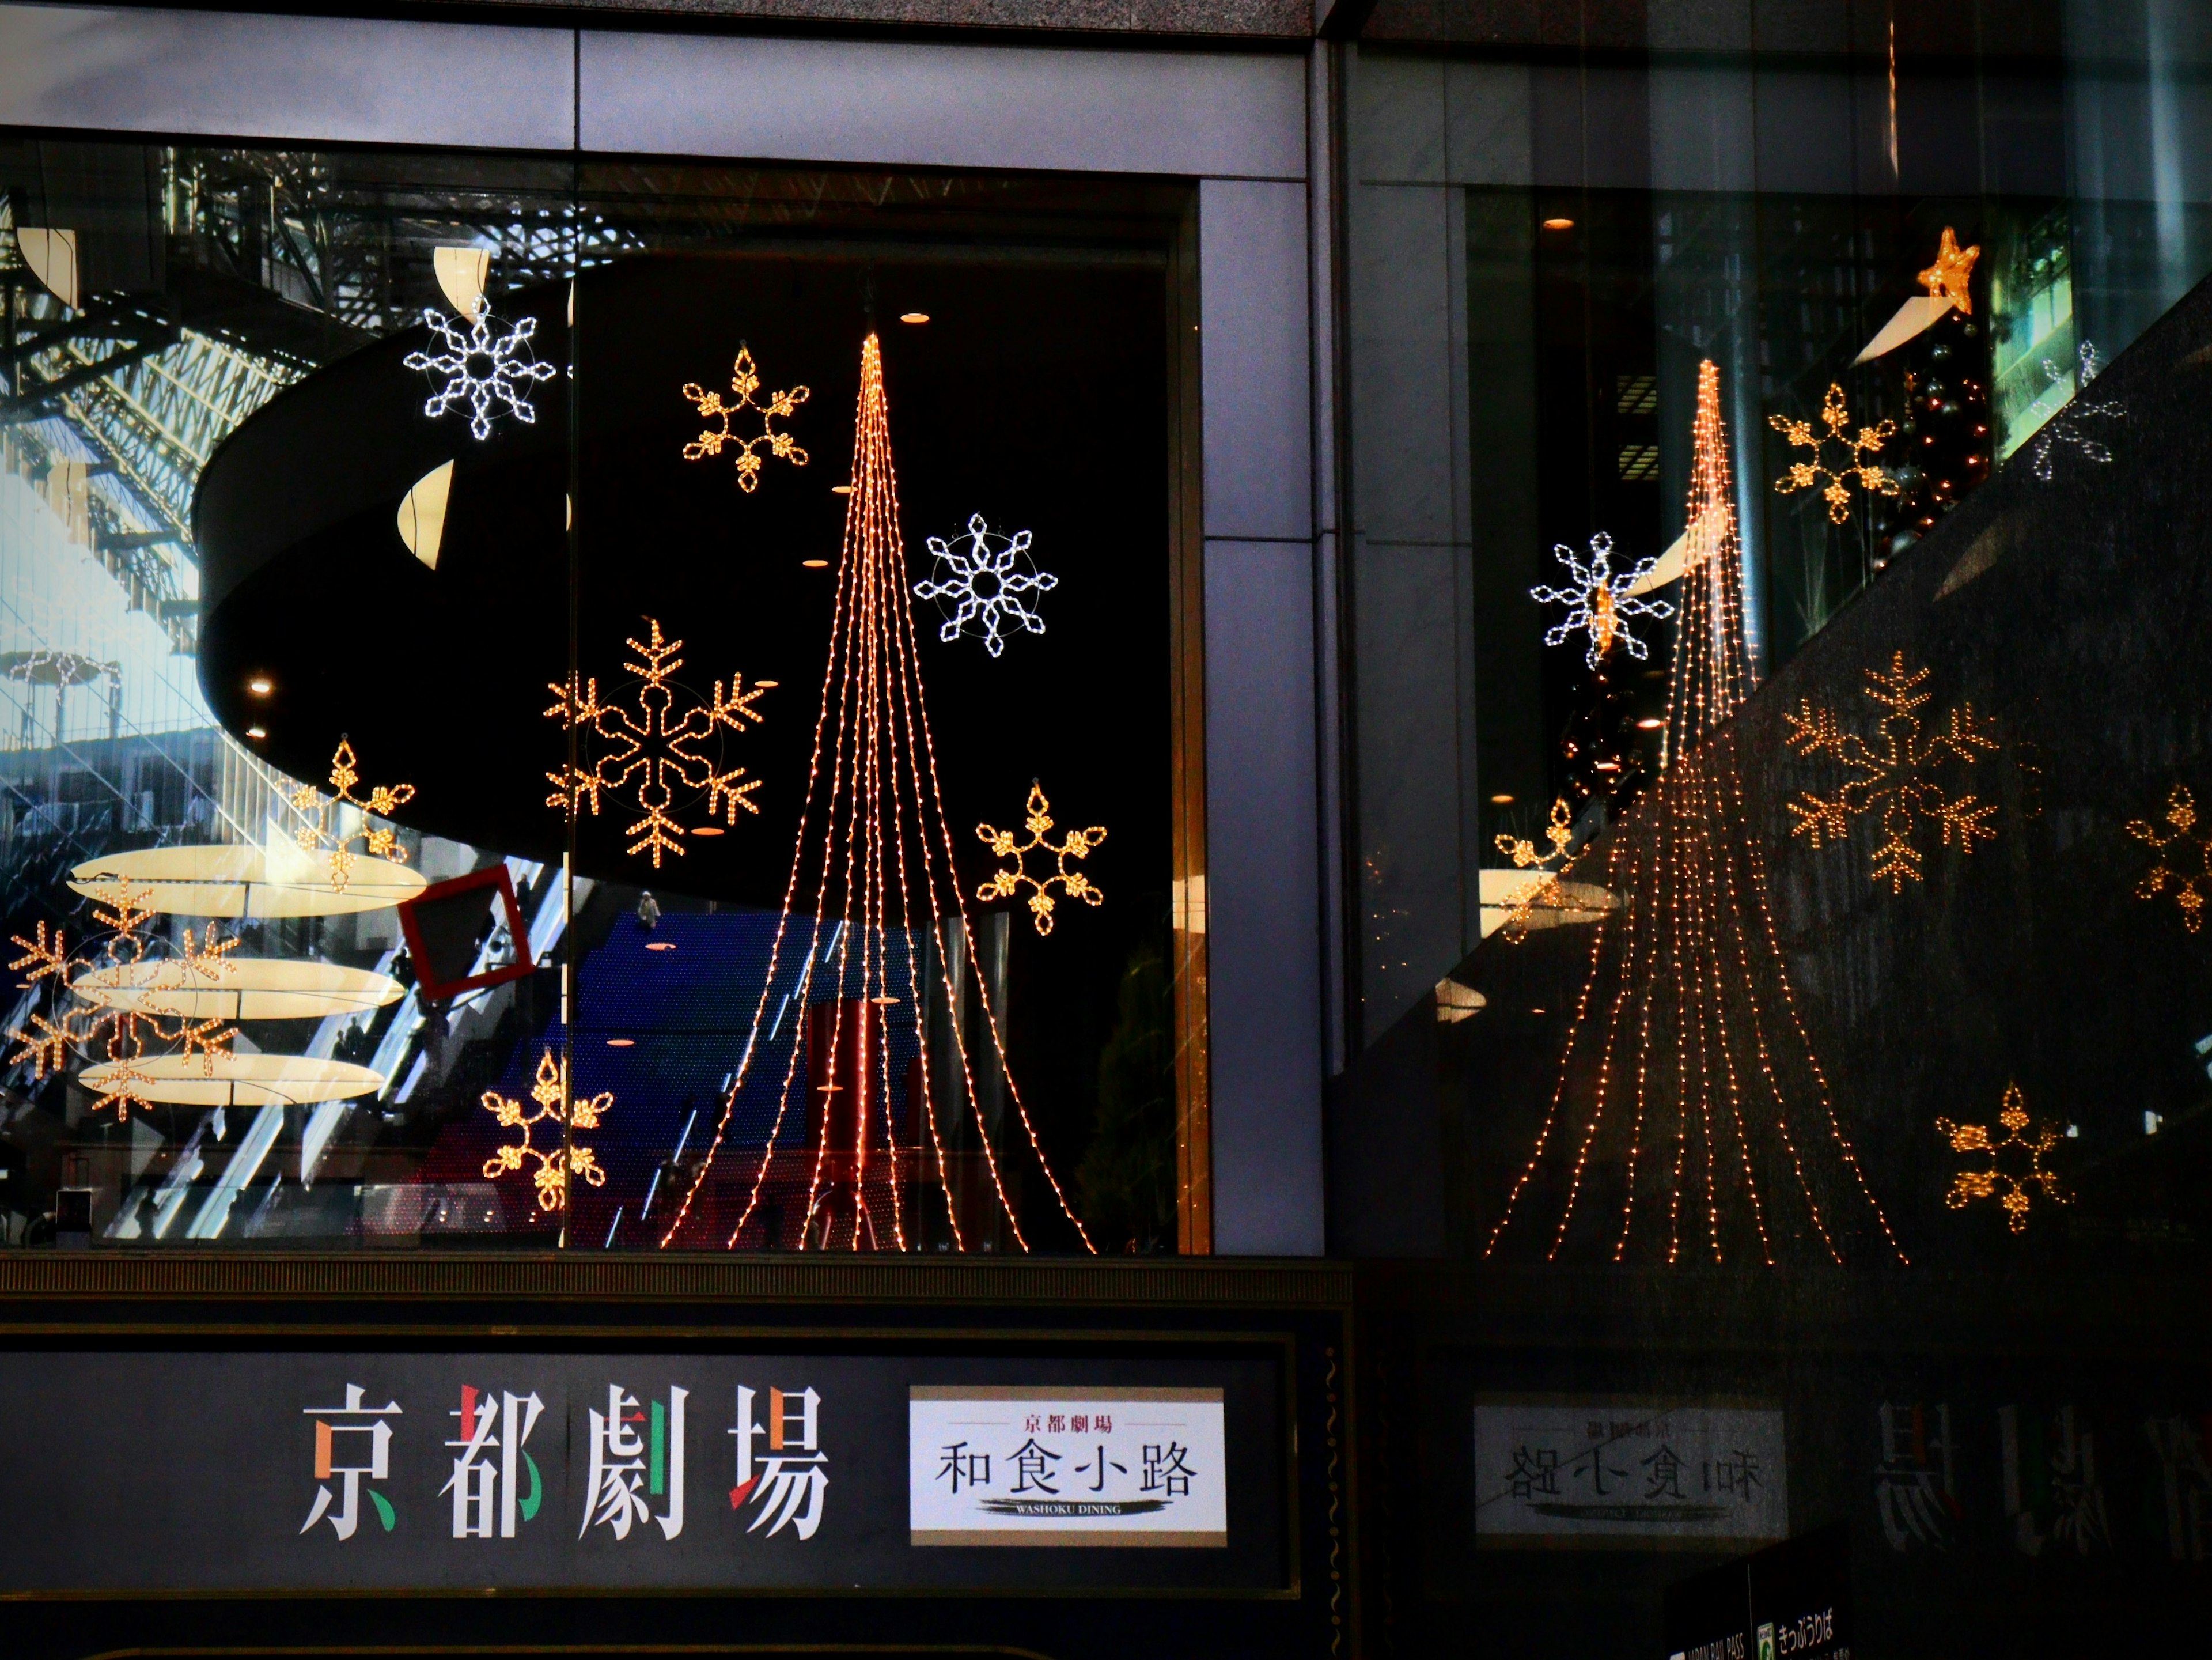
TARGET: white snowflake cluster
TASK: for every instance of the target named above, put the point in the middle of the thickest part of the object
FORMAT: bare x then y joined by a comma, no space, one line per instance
2064,429
480,370
1600,603
988,575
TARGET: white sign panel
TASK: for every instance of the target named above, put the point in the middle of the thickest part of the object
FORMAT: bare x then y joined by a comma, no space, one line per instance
1009,1466
1554,1472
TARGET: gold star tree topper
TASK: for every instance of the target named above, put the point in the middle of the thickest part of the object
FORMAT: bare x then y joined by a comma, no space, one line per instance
1948,278
1075,844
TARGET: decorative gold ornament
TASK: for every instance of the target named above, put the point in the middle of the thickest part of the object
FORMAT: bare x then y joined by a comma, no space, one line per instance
2016,1161
1892,773
549,1091
745,382
1856,468
1559,832
115,1037
318,834
1075,844
2189,849
655,745
1946,279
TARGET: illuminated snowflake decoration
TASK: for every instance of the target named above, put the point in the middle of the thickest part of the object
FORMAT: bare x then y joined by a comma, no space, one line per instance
549,1091
481,371
656,746
2185,857
1543,891
318,834
1599,603
745,383
987,574
2016,1161
117,1037
1891,773
1854,466
2064,430
1074,844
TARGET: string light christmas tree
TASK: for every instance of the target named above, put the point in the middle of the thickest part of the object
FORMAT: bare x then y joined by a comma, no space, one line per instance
873,925
1689,1099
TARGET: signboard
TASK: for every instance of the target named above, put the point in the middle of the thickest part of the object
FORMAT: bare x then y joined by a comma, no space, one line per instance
1625,1473
1066,1467
191,1471
1789,1600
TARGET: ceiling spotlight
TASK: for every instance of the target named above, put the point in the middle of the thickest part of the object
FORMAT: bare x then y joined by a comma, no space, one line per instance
1558,224
914,317
1501,801
255,731
815,564
705,829
1650,723
261,686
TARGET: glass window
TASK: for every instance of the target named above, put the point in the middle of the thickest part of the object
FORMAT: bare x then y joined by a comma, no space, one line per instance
617,705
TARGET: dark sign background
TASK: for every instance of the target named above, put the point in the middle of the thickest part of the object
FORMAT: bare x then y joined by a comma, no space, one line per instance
166,1471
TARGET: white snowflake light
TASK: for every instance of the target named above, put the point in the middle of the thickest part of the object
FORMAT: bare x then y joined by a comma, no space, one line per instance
1600,602
989,574
480,369
2064,429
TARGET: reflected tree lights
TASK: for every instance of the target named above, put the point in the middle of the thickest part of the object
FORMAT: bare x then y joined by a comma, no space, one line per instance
1689,1099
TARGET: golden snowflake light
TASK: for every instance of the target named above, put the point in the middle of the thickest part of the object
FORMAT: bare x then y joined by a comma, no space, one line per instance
1855,467
655,746
326,829
745,384
562,1157
1074,844
1948,278
2185,857
117,1037
2016,1161
1892,773
874,923
1690,1114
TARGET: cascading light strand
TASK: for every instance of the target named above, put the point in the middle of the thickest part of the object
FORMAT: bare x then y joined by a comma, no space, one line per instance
1686,1026
871,831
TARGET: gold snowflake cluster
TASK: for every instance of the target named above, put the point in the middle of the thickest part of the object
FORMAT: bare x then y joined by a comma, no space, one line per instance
83,1028
1855,467
1544,895
2016,1161
654,746
549,1091
745,382
1890,773
2185,857
318,834
1075,844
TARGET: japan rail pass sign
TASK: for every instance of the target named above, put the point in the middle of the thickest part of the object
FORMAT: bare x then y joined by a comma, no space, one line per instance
1016,1466
1614,1472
